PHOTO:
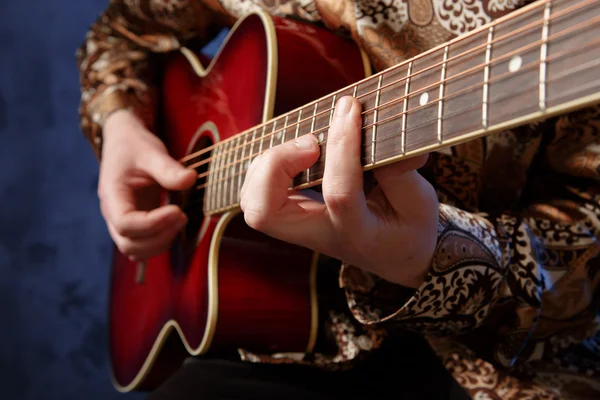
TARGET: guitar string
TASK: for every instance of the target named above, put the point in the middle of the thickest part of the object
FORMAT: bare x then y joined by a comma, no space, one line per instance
526,89
414,59
397,100
309,179
433,102
194,203
556,15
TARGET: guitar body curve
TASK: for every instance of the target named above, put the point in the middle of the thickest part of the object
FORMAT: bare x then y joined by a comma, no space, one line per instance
222,285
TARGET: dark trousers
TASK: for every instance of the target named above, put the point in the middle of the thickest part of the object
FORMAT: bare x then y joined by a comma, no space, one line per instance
404,368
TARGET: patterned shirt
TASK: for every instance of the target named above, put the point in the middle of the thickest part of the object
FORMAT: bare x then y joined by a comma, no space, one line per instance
511,300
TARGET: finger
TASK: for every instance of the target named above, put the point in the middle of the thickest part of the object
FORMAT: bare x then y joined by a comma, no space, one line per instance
343,176
267,188
403,186
118,207
143,248
248,175
169,173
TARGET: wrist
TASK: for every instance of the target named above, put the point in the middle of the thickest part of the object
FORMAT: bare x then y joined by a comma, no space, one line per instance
116,120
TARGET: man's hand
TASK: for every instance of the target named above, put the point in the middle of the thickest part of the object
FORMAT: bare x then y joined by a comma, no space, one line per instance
135,166
391,232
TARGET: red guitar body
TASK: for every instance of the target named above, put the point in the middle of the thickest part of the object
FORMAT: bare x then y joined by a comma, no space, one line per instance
223,286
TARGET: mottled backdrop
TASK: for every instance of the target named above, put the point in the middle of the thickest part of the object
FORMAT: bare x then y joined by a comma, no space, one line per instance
54,247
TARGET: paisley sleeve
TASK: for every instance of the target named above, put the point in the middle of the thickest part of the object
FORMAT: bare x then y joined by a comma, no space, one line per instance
118,59
519,285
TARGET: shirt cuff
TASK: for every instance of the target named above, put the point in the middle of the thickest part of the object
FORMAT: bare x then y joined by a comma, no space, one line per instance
461,285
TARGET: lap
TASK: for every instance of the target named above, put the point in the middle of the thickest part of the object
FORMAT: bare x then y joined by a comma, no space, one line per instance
405,366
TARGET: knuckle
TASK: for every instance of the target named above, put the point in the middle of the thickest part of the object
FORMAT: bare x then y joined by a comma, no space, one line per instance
334,137
101,192
255,220
273,161
103,207
126,247
268,159
120,228
245,197
339,202
337,198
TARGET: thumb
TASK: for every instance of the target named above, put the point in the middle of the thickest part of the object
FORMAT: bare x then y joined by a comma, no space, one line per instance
169,173
402,185
266,187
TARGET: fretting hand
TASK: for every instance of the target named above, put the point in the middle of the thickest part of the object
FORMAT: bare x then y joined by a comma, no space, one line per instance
391,232
135,167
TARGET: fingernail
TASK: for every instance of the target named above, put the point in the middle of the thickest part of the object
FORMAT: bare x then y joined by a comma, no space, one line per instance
306,142
182,221
342,107
177,219
184,172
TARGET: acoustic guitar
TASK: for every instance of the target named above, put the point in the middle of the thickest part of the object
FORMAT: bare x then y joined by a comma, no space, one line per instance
224,286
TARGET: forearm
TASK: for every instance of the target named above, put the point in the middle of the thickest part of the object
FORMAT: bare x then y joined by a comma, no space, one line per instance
518,282
119,57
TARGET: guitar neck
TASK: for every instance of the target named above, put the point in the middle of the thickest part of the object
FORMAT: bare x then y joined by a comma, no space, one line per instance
539,61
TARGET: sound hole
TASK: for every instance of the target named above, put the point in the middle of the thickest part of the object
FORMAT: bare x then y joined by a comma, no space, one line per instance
191,202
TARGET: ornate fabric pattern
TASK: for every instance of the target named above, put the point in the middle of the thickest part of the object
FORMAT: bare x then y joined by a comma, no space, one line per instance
512,298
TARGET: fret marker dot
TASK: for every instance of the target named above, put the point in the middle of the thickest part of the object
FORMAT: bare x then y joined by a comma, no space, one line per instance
247,164
424,98
515,63
279,134
321,137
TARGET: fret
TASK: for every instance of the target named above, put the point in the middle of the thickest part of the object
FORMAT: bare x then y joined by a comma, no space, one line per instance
305,127
405,106
486,78
281,134
251,154
375,119
291,126
322,124
265,140
441,96
272,134
465,84
312,130
543,55
572,72
374,99
241,171
227,184
368,94
321,128
210,182
323,119
314,118
260,141
298,123
225,171
215,175
376,106
423,100
222,157
514,71
234,175
333,100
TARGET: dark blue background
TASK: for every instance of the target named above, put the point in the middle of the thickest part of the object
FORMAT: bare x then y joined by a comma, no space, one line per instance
54,247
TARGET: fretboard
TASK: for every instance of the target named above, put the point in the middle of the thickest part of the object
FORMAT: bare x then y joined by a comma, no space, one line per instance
539,61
